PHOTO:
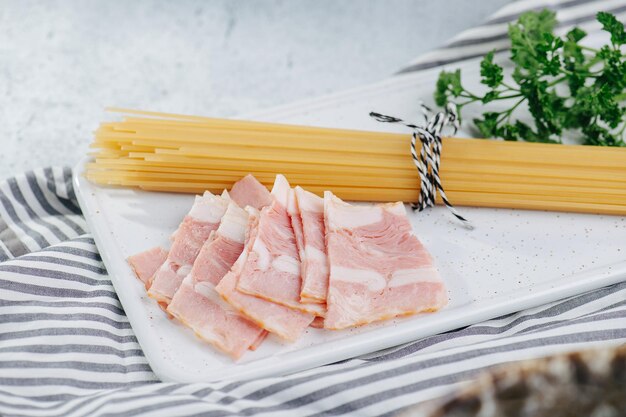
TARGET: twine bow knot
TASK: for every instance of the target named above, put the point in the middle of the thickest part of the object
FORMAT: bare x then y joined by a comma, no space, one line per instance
429,158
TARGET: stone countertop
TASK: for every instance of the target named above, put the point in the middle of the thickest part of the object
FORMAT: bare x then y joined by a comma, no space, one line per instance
62,62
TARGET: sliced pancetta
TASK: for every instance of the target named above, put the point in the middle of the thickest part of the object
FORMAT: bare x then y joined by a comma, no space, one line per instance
272,268
219,253
145,264
378,268
313,256
202,220
296,224
232,274
213,320
197,304
248,191
275,318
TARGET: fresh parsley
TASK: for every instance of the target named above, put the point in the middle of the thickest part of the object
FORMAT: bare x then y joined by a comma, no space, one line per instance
563,84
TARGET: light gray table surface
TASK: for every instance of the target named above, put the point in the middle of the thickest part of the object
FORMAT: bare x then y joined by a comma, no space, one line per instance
62,62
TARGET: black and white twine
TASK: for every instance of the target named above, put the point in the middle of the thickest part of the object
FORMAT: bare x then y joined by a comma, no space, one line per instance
429,158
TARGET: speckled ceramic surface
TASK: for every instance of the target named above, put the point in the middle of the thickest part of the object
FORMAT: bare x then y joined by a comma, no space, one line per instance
512,260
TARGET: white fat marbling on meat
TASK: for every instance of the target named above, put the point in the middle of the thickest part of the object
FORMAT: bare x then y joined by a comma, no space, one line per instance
233,224
349,216
413,276
396,208
307,201
292,206
350,306
264,255
372,279
209,208
287,264
312,253
165,267
183,271
207,290
252,211
281,190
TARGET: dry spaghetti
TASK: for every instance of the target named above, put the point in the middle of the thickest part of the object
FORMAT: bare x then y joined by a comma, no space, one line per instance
190,154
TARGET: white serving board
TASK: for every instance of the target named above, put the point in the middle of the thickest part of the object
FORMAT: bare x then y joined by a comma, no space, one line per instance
512,260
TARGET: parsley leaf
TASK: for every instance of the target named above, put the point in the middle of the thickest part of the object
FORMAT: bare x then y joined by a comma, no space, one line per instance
492,73
613,26
448,85
563,84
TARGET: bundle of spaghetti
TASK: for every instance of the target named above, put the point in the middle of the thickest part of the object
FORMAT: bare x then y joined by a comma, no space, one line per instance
191,154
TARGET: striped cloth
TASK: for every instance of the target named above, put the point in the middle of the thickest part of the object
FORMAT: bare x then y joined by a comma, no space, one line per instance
67,349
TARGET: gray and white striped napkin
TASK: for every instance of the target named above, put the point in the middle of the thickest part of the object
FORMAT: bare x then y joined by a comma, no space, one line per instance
67,349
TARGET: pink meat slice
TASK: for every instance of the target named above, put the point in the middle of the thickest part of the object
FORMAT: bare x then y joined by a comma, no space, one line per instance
202,220
378,268
196,303
318,323
146,263
219,253
296,224
272,268
275,318
250,192
313,255
212,319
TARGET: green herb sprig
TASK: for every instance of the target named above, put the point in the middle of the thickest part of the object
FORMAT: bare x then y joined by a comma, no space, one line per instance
563,84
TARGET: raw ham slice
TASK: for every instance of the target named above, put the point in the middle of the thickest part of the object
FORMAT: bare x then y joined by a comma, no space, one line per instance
313,256
203,219
378,268
296,224
219,253
212,319
272,268
233,275
250,192
280,320
145,264
197,304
